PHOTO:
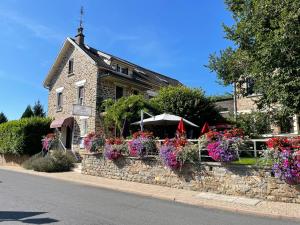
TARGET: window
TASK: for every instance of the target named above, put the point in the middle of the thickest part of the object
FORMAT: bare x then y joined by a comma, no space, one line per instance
80,95
135,92
124,70
249,86
71,66
59,101
120,69
83,127
119,92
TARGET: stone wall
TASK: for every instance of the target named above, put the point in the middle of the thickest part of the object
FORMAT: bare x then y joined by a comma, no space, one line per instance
84,71
12,160
213,177
246,104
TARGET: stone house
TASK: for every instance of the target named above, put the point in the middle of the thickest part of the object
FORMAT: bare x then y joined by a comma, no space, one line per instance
245,103
81,77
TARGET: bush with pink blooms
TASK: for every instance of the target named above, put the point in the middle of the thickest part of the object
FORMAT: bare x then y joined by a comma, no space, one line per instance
224,146
114,148
142,144
285,154
176,152
48,141
94,141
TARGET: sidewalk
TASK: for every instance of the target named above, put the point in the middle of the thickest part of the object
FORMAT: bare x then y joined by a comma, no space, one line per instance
203,199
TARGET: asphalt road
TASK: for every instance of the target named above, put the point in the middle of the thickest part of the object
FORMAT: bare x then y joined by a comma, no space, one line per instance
28,199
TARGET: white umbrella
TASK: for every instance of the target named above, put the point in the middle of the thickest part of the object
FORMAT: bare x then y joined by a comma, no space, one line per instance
164,119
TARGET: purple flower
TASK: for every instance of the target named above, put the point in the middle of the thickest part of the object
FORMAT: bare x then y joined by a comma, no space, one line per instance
111,153
169,157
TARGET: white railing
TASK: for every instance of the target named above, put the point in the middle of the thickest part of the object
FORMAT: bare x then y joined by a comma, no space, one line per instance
254,150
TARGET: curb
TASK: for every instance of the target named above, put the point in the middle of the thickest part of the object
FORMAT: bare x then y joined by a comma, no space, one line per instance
233,208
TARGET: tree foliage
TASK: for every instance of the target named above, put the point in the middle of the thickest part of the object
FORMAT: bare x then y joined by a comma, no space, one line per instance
254,124
189,103
266,35
3,118
27,113
126,110
38,109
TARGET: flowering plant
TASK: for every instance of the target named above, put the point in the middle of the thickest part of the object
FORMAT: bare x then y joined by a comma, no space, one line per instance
285,154
223,146
142,144
176,152
114,148
93,141
48,141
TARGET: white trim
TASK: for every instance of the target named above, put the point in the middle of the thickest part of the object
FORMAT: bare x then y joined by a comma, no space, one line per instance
244,111
59,90
80,83
83,117
151,93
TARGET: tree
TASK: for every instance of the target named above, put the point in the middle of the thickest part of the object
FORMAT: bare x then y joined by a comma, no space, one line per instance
28,112
38,109
125,110
3,118
189,103
266,35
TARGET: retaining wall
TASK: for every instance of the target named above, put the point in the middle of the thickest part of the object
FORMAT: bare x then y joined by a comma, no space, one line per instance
213,177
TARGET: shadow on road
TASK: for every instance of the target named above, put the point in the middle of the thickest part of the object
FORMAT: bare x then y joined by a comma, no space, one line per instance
23,217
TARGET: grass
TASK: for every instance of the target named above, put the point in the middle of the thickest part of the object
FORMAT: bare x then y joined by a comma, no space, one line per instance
246,161
253,161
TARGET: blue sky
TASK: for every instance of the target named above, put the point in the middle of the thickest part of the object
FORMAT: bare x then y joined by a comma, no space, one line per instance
173,37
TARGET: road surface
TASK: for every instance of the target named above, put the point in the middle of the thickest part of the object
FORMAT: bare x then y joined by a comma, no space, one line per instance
29,199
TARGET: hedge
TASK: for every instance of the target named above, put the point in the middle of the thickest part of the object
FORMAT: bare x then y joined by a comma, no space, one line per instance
23,137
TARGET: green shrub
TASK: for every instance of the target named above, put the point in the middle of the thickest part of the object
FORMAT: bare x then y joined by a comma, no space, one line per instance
254,124
28,163
56,161
189,103
23,136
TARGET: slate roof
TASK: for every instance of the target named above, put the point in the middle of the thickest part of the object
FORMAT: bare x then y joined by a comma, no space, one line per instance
140,73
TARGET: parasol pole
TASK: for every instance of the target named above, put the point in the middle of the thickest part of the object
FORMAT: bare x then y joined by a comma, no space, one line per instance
142,123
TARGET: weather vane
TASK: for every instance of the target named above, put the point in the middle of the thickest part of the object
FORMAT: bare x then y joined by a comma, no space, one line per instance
81,16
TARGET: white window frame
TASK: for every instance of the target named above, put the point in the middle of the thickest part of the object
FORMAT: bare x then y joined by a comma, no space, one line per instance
59,101
84,126
80,100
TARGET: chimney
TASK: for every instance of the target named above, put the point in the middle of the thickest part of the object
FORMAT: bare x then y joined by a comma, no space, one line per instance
79,38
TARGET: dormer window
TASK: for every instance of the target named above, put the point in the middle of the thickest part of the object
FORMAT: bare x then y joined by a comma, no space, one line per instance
120,69
124,70
71,66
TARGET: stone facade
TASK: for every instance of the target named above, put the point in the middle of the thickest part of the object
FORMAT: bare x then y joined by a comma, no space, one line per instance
98,74
246,104
84,71
213,177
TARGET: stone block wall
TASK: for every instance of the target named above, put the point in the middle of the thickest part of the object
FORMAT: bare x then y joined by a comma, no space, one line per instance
213,177
12,160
